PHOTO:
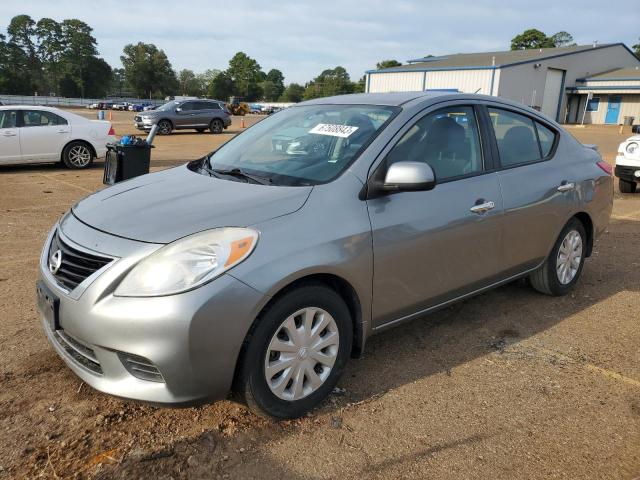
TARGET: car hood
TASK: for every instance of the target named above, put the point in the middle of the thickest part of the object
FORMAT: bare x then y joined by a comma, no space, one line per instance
164,206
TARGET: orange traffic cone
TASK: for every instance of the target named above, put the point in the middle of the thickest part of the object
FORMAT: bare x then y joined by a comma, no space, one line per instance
242,123
110,115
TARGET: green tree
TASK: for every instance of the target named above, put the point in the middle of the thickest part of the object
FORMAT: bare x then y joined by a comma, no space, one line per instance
636,49
246,75
51,48
387,64
221,87
330,82
148,70
530,39
562,39
293,93
80,53
15,77
22,34
191,84
273,86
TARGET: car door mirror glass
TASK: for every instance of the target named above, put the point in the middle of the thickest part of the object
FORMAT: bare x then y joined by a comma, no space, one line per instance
409,176
178,109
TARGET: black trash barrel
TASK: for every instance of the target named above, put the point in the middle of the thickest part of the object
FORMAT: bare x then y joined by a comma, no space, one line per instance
126,161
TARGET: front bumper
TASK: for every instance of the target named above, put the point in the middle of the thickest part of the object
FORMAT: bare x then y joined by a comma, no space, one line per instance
193,339
628,172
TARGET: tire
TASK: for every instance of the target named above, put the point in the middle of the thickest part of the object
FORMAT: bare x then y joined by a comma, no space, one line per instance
548,279
258,390
77,155
626,186
165,127
216,126
200,130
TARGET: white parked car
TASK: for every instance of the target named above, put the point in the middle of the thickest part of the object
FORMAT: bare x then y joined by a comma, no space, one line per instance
628,164
30,134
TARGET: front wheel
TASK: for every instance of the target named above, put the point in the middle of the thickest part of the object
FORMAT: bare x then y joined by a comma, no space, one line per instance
164,127
297,352
561,271
216,126
626,186
77,155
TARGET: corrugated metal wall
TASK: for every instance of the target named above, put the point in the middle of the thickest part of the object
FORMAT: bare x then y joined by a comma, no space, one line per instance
612,83
629,107
467,81
396,82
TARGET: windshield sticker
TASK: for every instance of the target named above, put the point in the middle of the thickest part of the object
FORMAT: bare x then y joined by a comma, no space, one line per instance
333,130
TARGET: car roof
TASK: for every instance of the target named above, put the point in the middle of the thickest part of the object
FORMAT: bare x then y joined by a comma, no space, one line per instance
391,99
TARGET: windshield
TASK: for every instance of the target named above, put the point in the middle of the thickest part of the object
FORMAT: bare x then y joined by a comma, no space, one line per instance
303,145
168,106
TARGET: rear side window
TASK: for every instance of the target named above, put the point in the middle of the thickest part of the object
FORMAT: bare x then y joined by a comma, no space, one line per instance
516,137
446,139
547,138
8,118
39,118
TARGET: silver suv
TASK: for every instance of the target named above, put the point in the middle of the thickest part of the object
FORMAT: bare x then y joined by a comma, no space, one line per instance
199,115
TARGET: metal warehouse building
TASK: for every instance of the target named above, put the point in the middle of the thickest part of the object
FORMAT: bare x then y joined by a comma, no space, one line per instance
600,83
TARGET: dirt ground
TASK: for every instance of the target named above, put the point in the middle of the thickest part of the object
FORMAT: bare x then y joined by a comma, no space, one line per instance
510,384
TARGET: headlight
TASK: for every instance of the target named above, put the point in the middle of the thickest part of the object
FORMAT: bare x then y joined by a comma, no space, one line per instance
632,148
188,263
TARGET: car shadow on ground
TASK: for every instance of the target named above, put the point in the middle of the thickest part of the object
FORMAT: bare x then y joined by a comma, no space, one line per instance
433,345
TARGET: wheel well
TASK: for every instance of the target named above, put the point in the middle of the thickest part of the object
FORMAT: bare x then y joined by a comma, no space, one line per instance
587,223
88,144
166,120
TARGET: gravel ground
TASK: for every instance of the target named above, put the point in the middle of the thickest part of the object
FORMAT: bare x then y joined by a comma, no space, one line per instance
510,384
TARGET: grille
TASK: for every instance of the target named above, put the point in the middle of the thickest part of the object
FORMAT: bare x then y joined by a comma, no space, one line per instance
82,354
625,171
75,265
140,367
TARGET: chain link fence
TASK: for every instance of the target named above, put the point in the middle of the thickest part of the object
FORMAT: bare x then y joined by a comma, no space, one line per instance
70,102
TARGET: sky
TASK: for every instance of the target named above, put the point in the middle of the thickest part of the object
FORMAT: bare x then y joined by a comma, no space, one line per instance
301,38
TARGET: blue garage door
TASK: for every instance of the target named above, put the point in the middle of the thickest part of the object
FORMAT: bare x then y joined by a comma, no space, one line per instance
613,110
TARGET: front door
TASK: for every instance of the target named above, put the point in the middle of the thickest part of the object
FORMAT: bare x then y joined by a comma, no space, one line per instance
613,110
433,246
186,117
9,137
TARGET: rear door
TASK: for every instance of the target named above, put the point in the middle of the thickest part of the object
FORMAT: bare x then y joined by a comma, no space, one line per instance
537,187
206,113
433,246
43,135
9,137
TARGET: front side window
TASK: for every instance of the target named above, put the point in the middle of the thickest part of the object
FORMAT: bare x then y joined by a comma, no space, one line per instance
448,140
303,145
516,137
8,118
38,118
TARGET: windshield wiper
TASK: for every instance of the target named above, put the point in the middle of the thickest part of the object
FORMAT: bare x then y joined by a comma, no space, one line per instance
236,172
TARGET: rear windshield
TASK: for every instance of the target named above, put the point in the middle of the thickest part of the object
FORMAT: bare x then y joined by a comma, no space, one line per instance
304,145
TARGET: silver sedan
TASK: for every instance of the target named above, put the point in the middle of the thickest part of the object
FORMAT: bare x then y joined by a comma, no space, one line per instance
261,268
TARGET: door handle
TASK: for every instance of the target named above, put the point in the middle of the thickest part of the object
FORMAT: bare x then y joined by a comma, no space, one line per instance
9,134
481,206
63,130
566,186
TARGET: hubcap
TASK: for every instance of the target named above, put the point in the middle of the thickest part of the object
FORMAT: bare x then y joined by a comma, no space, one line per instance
164,127
217,126
79,156
301,354
569,257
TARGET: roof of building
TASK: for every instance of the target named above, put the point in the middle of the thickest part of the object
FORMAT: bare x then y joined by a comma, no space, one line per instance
492,59
632,73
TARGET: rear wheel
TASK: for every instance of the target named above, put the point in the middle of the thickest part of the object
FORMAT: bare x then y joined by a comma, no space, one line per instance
164,127
216,126
297,352
561,271
77,155
626,186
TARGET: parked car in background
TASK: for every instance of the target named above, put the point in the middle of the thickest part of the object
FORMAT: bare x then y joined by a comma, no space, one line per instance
123,106
255,108
146,108
107,105
628,164
93,105
198,114
30,134
253,267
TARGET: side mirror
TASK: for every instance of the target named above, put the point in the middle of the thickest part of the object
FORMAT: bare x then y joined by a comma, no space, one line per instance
409,177
178,109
